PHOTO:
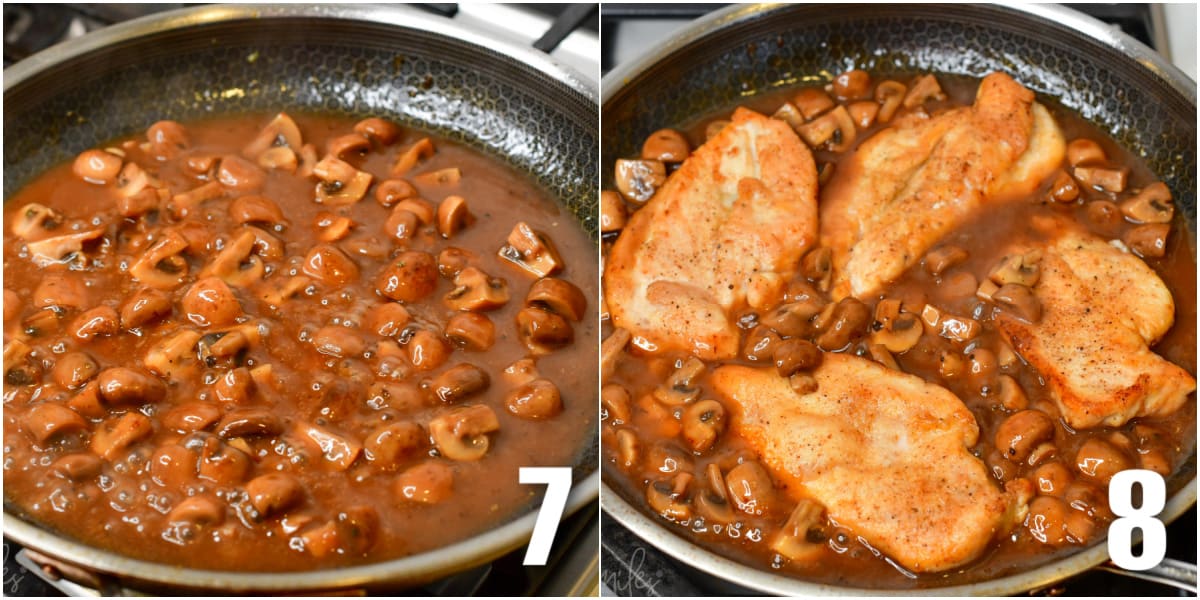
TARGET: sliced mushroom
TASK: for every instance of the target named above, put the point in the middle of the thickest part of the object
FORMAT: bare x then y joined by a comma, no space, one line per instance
35,221
183,203
788,113
193,416
1148,241
339,450
392,191
147,268
409,277
890,95
1020,301
1151,205
210,303
712,500
348,145
924,89
794,355
384,132
666,145
474,290
255,209
342,342
1064,188
1104,178
331,227
847,321
239,174
817,266
280,131
441,177
894,330
612,212
406,160
452,216
73,369
638,180
542,331
1083,151
794,319
459,383
49,420
451,261
387,446
703,422
427,350
812,102
521,372
272,494
750,488
61,248
863,114
341,183
1021,269
614,399
430,482
537,399
118,433
97,322
123,386
681,387
249,422
558,296
461,434
97,166
329,265
944,258
792,540
611,350
834,131
471,331
79,466
132,180
532,251
279,158
670,499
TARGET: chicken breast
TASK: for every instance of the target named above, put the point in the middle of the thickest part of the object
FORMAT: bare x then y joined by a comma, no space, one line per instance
725,230
1102,308
887,453
911,184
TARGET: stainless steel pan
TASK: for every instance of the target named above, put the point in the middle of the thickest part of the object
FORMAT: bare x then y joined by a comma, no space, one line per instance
1111,79
511,102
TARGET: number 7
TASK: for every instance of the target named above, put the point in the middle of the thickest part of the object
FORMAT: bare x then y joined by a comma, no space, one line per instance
558,485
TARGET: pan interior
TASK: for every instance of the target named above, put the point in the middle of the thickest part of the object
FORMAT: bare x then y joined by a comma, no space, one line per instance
753,50
484,99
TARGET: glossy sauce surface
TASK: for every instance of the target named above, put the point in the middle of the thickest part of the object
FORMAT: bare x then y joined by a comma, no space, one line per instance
339,374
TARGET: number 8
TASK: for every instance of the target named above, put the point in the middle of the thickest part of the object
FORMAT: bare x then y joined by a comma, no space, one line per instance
1120,533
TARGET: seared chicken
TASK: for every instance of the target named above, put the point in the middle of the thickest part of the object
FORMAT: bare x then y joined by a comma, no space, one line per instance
911,184
1101,310
725,230
887,453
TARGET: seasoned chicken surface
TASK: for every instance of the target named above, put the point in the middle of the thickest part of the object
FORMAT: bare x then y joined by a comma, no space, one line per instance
724,230
911,184
1101,310
887,453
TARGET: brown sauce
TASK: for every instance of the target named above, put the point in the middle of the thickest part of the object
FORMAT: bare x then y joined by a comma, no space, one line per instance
346,512
845,561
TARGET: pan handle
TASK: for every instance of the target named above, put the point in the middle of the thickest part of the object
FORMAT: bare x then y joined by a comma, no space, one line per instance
1175,573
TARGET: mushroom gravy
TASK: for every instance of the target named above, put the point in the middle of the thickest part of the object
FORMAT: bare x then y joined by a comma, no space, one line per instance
255,355
653,462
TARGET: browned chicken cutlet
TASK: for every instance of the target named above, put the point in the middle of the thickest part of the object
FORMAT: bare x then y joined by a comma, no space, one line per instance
909,185
1102,310
886,453
725,229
